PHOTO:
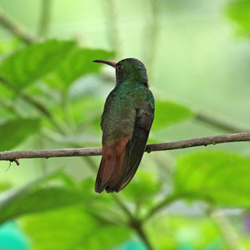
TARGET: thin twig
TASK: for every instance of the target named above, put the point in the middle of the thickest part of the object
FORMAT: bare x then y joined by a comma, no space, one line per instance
15,28
123,206
137,225
169,199
10,107
44,111
65,100
113,32
17,162
152,28
204,141
228,232
219,123
45,18
103,220
39,106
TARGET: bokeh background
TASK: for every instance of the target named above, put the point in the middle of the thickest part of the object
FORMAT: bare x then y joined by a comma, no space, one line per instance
197,55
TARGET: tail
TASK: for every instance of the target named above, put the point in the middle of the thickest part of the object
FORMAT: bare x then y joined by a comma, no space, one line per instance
114,166
121,159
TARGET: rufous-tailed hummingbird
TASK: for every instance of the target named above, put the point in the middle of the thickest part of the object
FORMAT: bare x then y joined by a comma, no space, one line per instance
126,121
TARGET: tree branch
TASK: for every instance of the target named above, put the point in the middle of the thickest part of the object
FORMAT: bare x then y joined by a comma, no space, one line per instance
15,28
204,141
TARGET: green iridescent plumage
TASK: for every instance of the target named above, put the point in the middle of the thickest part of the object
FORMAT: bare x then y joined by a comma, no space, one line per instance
126,121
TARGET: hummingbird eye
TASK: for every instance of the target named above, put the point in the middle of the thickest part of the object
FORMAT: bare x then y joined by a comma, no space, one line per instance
119,66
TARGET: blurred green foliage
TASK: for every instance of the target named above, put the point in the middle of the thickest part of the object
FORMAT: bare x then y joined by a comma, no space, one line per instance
210,177
239,13
15,131
52,93
27,65
173,113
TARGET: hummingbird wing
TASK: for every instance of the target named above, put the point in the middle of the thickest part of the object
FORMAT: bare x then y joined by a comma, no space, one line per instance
143,123
115,155
122,157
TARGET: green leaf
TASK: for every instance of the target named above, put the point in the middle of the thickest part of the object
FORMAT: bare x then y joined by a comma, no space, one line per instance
32,62
9,45
88,110
62,229
79,63
171,232
216,176
71,228
99,202
4,185
167,113
40,200
5,92
239,12
10,197
14,132
32,199
144,187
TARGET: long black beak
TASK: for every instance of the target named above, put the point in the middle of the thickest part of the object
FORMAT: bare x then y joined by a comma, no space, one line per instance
106,62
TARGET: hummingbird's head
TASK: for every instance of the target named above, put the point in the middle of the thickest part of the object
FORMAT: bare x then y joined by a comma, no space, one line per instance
128,69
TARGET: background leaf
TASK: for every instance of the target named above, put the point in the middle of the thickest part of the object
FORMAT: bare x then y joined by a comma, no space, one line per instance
31,63
167,113
14,132
79,63
239,12
71,228
137,191
182,232
30,202
215,176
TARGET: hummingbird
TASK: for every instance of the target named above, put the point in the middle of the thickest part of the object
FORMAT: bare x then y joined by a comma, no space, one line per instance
126,121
